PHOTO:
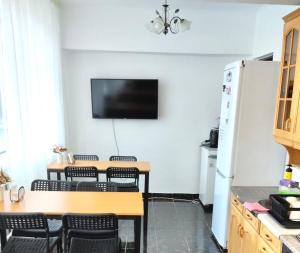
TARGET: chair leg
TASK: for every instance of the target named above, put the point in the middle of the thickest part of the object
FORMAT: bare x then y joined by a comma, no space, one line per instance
59,246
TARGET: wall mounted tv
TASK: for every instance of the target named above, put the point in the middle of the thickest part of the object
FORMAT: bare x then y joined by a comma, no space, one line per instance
124,98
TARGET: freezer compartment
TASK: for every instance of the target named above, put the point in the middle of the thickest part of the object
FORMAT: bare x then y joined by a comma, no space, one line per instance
221,208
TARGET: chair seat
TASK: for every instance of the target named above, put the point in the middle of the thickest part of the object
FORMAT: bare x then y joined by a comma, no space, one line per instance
127,187
55,229
28,245
79,245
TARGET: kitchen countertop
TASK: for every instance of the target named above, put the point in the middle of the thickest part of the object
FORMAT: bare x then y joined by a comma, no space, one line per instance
258,193
253,193
275,227
291,242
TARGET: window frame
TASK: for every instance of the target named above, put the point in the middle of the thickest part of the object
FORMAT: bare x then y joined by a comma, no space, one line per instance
3,123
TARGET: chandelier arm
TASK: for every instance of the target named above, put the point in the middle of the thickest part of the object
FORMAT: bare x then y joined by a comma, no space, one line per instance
176,17
172,20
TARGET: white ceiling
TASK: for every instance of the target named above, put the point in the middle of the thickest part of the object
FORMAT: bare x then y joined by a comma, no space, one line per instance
284,2
175,2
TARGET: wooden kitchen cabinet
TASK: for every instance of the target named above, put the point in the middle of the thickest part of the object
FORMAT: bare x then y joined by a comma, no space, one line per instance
262,246
270,239
247,234
242,236
249,238
235,240
287,115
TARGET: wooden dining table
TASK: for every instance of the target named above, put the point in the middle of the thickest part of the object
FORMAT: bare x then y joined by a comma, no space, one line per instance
142,166
126,205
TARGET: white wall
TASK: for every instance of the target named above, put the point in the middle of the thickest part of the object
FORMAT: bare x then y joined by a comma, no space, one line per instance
268,38
269,28
110,41
216,28
189,103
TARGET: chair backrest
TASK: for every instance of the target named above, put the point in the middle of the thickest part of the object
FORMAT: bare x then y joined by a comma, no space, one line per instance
90,222
86,157
73,172
90,245
126,173
123,158
50,185
122,172
24,221
97,187
90,226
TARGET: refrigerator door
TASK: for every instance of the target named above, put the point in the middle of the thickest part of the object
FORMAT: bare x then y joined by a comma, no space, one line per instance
221,208
228,119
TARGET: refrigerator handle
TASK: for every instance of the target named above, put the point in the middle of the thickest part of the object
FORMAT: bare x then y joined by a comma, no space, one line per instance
222,175
212,156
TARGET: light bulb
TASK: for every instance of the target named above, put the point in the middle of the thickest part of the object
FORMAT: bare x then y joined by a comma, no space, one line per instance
158,25
185,25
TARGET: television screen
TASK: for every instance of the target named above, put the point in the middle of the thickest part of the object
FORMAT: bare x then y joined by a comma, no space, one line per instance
124,98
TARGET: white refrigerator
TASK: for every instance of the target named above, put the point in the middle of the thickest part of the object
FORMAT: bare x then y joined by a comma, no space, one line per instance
247,152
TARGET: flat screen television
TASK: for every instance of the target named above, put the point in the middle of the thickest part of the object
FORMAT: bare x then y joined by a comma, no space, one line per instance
124,98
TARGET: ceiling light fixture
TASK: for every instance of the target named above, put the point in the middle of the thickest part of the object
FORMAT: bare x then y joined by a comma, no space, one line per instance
165,23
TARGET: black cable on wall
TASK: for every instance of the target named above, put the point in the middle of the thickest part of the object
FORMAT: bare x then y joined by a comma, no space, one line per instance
115,136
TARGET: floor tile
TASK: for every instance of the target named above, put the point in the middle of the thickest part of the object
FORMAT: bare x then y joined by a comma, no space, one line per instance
173,227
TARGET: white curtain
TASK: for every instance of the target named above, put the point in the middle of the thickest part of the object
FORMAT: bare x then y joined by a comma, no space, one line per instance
30,77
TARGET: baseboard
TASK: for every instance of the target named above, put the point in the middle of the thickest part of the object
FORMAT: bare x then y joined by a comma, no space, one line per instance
183,196
217,244
207,208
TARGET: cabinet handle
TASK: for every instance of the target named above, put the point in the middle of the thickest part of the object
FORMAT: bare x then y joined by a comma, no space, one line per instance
264,249
287,124
249,217
235,202
295,125
242,231
239,229
268,238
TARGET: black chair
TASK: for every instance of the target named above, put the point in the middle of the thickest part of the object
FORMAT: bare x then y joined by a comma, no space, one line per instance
79,245
86,157
55,226
125,173
80,172
50,185
80,229
97,187
123,158
34,221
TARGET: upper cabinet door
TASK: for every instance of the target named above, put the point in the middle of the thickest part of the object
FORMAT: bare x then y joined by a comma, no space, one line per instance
296,92
286,111
287,116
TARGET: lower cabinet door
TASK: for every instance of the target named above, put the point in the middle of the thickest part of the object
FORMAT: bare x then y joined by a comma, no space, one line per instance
235,240
249,238
263,246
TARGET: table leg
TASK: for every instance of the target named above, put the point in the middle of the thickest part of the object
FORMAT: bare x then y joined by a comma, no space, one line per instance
146,196
3,238
58,175
137,234
48,175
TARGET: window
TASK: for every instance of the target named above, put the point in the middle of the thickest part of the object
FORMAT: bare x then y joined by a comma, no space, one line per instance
3,126
3,129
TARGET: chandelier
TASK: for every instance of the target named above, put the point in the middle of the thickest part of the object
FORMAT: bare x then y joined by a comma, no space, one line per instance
166,22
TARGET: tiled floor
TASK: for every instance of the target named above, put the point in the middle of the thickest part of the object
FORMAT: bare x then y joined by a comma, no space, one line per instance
174,227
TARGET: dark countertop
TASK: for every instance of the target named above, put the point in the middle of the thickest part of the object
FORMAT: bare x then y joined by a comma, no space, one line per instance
253,193
258,193
291,243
